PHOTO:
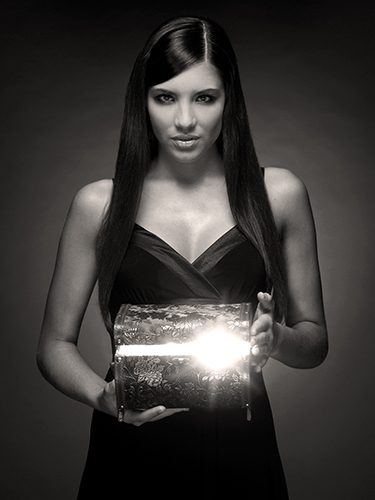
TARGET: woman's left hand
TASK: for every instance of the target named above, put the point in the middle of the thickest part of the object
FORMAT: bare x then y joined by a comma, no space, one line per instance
262,332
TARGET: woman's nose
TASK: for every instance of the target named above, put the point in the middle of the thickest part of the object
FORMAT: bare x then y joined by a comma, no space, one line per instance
185,118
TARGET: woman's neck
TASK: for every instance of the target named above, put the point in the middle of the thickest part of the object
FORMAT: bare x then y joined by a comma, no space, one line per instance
206,168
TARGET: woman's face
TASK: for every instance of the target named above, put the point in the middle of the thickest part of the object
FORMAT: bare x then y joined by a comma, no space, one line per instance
186,113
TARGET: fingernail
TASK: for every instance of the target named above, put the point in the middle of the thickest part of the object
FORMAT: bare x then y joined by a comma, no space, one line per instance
255,350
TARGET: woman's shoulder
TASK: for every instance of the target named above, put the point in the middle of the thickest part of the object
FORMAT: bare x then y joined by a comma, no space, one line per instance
91,201
286,192
97,192
94,197
282,181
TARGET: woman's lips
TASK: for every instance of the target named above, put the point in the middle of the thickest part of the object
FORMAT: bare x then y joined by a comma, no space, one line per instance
185,142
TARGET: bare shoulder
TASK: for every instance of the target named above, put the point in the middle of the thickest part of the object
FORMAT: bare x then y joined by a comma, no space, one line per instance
89,206
282,184
287,194
94,196
92,200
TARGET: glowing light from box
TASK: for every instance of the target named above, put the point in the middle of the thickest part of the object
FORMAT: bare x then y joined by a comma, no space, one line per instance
217,349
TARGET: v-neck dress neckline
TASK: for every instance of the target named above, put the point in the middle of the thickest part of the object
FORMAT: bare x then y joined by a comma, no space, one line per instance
225,242
230,270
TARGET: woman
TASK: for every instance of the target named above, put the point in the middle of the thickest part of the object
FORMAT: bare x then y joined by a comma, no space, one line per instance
188,186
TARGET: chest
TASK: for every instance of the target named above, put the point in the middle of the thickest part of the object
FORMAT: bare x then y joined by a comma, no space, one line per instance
188,222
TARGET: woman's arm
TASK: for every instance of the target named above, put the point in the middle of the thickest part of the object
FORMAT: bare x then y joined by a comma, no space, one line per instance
302,342
73,280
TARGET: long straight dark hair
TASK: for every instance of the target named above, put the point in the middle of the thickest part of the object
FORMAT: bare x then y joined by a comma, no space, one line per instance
172,48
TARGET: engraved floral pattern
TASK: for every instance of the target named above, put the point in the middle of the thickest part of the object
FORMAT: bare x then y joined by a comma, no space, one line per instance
149,372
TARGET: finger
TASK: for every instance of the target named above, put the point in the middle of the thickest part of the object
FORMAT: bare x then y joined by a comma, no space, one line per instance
168,413
265,302
264,338
259,350
261,325
259,364
141,417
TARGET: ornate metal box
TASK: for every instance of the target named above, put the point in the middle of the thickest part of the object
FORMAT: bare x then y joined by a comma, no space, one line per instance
182,356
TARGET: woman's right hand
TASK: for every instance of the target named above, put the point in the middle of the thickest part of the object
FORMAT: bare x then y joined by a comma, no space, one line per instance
108,404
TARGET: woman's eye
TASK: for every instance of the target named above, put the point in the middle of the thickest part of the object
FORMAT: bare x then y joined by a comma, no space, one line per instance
164,98
205,98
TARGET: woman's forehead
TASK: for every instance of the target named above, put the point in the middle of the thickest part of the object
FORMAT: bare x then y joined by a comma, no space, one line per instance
198,77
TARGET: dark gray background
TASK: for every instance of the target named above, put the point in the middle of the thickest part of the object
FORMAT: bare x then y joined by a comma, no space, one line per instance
308,76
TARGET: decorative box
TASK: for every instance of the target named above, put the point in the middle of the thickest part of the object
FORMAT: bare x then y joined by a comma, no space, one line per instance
182,356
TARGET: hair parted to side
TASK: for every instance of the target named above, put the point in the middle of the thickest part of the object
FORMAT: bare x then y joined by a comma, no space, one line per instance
172,48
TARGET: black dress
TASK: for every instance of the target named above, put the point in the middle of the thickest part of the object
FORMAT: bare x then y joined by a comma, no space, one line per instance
201,453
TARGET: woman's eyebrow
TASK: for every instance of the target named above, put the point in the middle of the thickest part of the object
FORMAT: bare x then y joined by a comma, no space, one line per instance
197,92
209,91
158,89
